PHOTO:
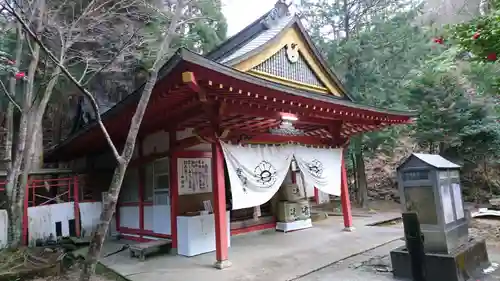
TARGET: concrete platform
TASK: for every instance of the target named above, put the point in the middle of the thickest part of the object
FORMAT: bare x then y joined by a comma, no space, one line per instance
267,255
464,263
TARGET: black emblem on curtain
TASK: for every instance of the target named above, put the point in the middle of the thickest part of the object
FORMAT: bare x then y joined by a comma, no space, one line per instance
265,173
315,167
243,179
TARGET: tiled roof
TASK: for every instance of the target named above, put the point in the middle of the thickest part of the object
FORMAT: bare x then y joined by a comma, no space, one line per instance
261,39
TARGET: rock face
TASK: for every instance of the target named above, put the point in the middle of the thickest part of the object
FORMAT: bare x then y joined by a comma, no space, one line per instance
485,228
381,171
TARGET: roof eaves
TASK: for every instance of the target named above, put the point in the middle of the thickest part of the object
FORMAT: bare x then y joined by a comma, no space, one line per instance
227,70
116,109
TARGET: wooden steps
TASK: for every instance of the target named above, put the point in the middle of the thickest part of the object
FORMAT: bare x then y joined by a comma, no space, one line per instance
142,250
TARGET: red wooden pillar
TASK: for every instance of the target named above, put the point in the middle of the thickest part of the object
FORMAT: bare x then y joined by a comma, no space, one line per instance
344,197
141,189
117,216
174,188
219,190
76,204
25,212
316,195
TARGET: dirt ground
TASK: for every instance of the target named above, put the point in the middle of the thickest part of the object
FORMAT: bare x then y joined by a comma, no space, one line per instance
373,206
375,265
73,275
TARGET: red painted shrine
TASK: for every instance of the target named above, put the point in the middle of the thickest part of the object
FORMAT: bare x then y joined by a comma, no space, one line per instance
266,85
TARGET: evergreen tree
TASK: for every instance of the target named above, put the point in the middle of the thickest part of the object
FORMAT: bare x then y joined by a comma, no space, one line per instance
391,60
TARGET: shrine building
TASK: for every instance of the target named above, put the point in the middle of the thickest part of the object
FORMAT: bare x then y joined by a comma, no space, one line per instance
229,143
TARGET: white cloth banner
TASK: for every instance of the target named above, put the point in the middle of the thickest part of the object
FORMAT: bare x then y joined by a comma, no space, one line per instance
256,172
320,167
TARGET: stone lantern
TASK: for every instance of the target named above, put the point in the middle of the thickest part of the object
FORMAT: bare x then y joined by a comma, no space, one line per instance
429,185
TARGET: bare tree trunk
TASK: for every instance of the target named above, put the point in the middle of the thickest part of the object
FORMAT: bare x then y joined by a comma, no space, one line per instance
128,150
483,7
9,124
355,177
359,172
15,191
34,150
362,184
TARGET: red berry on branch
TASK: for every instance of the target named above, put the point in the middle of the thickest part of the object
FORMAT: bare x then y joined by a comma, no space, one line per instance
492,57
439,40
20,75
476,35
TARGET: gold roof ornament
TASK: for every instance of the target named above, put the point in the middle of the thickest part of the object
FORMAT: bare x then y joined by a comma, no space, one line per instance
292,52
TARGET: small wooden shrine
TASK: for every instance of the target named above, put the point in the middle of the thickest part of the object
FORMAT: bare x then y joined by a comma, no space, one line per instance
268,84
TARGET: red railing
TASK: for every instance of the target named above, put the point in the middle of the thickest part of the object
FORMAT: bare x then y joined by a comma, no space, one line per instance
50,191
42,192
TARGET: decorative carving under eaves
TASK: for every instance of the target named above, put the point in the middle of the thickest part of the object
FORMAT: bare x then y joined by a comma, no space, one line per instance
290,66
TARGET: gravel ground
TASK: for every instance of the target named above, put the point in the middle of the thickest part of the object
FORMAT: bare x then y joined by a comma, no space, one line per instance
372,265
375,265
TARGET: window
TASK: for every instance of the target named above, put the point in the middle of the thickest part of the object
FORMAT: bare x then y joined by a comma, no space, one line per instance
130,186
157,181
148,182
162,182
161,166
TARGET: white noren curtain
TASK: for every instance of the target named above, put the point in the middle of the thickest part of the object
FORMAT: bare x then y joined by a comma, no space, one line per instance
256,172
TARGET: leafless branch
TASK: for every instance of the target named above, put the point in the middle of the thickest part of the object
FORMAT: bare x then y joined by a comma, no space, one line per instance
28,43
190,20
87,94
85,70
9,96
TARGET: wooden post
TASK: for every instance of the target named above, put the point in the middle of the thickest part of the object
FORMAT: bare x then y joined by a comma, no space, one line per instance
141,189
415,245
76,199
294,177
25,212
219,190
174,188
344,197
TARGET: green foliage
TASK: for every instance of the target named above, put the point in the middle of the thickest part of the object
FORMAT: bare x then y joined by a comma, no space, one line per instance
378,63
389,60
481,35
450,121
205,34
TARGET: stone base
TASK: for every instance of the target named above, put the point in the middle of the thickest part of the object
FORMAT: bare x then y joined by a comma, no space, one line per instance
174,251
222,264
295,225
349,229
463,264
